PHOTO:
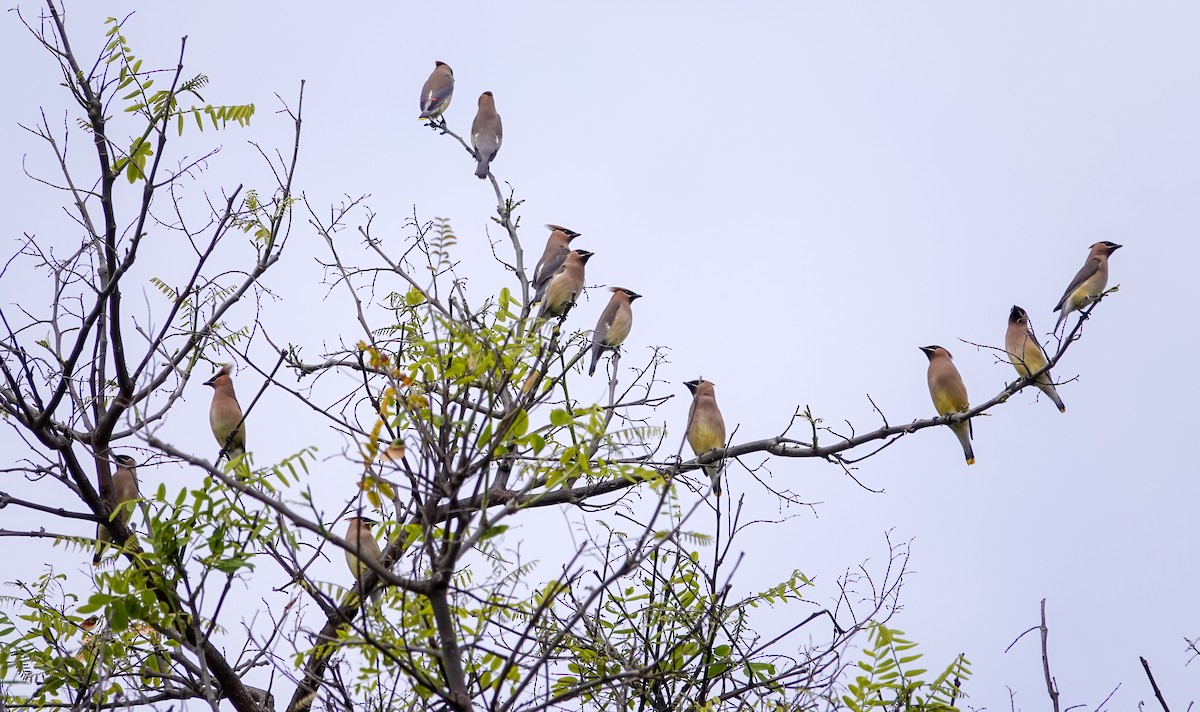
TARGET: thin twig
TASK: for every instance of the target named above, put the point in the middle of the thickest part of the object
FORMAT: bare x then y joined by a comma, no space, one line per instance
1154,684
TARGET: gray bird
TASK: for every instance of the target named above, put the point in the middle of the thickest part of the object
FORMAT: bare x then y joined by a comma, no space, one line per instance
706,428
125,490
437,91
1026,355
558,246
487,133
1089,282
614,324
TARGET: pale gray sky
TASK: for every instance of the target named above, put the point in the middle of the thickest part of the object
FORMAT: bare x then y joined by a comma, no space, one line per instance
804,194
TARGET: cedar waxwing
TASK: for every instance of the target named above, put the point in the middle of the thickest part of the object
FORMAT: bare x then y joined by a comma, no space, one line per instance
435,95
125,489
225,414
1026,353
1089,283
565,285
949,394
486,134
614,324
558,246
362,541
706,427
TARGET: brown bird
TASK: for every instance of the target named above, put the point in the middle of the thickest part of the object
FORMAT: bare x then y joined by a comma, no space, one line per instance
436,93
1089,283
949,395
362,546
125,490
225,415
558,246
615,322
1026,355
565,285
486,134
706,428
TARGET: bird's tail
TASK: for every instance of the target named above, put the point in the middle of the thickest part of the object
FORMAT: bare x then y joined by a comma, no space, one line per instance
102,539
714,474
1061,318
538,292
596,349
963,432
1052,394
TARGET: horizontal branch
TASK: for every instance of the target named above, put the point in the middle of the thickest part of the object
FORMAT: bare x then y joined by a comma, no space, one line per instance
7,499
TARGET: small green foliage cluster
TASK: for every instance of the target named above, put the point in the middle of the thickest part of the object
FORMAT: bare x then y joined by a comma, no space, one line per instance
888,679
158,106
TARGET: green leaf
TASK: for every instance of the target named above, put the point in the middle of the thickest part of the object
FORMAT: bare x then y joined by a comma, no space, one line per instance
118,615
520,424
559,417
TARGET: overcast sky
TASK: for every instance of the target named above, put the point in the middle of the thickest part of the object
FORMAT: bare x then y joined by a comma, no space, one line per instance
804,194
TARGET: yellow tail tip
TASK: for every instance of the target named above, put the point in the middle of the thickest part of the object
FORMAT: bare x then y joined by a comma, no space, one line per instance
970,461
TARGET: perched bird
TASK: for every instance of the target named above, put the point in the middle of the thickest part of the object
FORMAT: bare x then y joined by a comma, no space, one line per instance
558,246
436,93
614,324
1026,353
487,133
363,546
225,414
706,427
125,489
1089,283
565,285
949,394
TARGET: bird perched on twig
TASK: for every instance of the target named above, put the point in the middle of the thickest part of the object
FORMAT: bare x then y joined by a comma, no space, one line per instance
362,546
1089,282
1026,355
437,91
487,133
949,395
225,415
565,285
706,427
558,246
125,490
614,324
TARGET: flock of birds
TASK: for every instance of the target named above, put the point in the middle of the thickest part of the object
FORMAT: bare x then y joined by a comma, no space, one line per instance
558,280
559,276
